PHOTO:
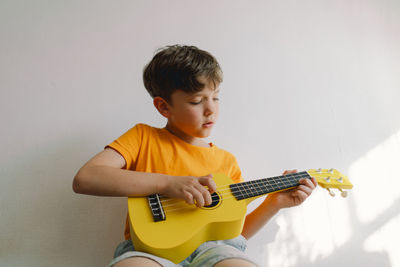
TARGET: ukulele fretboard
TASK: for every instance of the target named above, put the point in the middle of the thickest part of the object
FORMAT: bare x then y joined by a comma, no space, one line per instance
267,185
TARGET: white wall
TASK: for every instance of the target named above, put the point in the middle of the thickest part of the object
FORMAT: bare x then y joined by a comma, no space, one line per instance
308,84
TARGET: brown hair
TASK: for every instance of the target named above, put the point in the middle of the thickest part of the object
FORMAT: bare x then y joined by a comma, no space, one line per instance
179,67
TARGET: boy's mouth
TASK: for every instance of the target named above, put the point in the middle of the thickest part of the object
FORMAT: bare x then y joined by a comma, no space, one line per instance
208,124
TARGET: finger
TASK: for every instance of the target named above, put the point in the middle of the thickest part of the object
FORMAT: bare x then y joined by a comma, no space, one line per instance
304,189
300,195
308,182
207,198
209,182
198,197
314,181
212,186
205,194
188,197
289,172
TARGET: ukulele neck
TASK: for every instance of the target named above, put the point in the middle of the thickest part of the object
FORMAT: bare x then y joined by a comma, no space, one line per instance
255,188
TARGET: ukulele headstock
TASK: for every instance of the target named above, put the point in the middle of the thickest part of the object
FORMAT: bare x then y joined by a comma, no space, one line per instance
331,178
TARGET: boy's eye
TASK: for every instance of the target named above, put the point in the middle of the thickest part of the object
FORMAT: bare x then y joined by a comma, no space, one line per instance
195,102
216,99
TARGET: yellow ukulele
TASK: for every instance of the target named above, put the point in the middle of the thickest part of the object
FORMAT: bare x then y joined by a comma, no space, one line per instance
173,229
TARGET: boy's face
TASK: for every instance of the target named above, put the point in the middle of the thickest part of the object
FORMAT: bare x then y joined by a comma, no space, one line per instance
192,116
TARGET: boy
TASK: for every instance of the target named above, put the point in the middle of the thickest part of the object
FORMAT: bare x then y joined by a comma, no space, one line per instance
175,161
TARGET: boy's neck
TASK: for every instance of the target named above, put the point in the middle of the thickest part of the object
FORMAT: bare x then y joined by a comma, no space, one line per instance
186,138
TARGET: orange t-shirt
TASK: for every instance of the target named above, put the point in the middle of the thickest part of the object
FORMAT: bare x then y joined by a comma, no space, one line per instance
149,149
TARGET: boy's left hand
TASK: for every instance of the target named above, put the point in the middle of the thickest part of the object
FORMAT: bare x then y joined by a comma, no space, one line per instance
292,197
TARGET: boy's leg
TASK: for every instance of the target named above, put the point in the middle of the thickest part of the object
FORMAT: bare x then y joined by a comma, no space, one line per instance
125,255
222,253
137,261
234,263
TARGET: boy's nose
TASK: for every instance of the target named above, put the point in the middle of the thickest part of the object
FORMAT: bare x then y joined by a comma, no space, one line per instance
209,109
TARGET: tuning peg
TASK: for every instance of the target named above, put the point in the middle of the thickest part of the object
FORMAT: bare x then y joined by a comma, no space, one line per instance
340,180
343,193
319,170
330,170
328,179
331,192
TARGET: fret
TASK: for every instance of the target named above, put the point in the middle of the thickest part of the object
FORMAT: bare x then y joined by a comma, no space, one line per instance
253,186
270,184
287,180
243,190
247,190
235,191
238,191
259,186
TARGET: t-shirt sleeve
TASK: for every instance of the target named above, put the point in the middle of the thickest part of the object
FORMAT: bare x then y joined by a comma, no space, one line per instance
128,145
235,172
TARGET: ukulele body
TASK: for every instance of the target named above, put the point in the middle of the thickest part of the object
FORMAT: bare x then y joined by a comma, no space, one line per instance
186,226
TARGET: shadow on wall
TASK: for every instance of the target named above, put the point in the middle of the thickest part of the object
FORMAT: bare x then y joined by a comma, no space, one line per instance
361,230
352,252
44,222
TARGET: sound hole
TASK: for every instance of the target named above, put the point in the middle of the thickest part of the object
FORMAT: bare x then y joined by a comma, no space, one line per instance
216,201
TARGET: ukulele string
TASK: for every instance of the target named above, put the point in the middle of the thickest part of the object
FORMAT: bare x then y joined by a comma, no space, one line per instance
191,207
222,193
188,206
224,189
220,188
180,201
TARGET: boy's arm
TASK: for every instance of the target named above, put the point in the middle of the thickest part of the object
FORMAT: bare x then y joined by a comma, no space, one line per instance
103,176
276,201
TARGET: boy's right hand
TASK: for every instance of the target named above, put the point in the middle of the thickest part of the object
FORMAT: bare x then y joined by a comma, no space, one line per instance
192,189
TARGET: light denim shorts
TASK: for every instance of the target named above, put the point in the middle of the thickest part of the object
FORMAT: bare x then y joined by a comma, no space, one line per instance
207,254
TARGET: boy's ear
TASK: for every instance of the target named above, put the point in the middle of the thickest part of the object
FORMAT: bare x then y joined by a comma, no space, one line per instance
162,106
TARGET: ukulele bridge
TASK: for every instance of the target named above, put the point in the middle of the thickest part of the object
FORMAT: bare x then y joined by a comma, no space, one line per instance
156,208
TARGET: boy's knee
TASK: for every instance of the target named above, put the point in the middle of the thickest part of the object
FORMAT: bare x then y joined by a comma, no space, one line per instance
234,263
137,262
